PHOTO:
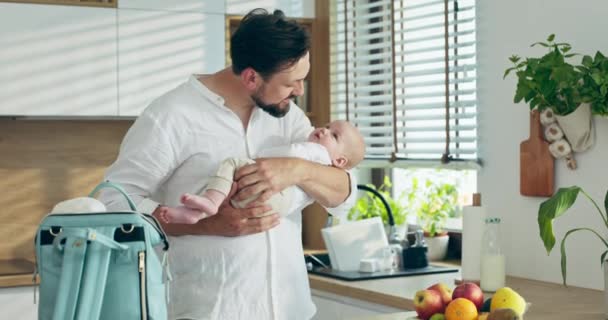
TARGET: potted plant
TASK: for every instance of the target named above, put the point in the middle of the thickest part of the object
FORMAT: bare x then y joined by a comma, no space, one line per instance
556,206
551,82
369,206
437,202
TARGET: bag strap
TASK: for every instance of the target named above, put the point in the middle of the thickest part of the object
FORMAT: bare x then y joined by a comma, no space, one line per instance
71,273
78,256
108,184
94,278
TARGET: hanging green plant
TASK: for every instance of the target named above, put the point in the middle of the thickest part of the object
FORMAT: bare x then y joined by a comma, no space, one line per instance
549,81
595,78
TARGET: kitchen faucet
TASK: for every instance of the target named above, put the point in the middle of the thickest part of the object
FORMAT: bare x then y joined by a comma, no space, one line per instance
393,236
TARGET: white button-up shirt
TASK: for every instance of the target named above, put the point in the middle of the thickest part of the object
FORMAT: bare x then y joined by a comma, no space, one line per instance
172,148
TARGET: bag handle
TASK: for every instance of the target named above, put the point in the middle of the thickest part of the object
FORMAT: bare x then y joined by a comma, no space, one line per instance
150,218
108,184
87,235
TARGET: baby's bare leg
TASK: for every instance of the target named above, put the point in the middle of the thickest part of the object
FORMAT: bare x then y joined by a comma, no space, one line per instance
208,202
194,209
181,214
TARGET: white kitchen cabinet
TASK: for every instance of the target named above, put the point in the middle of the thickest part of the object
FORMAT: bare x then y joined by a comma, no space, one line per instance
291,8
57,60
335,307
201,6
158,50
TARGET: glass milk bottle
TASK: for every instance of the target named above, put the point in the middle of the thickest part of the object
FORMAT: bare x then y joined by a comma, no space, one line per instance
492,257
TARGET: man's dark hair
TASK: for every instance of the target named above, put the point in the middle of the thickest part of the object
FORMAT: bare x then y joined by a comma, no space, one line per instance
268,43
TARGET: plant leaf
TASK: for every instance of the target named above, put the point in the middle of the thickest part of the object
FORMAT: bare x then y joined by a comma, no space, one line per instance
563,258
563,248
603,258
551,37
540,43
514,58
552,208
587,61
606,203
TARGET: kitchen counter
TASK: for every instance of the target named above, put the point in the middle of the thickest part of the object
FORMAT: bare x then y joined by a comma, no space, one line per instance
549,301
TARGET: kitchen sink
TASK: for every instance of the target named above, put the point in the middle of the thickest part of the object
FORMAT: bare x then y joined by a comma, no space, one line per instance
321,266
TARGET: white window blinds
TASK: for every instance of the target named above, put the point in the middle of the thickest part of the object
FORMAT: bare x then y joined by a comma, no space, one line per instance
404,72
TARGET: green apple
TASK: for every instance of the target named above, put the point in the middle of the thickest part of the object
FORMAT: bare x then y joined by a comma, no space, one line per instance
438,316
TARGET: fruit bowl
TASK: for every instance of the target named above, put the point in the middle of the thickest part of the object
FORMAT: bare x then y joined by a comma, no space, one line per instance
466,302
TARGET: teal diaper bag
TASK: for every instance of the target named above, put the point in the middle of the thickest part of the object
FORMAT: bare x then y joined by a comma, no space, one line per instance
101,265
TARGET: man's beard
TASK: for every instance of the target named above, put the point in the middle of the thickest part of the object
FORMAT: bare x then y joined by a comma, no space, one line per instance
273,109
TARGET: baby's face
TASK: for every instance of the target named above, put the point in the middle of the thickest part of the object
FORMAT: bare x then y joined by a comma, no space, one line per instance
332,137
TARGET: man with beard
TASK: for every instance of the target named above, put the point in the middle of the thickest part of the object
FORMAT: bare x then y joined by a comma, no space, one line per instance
239,263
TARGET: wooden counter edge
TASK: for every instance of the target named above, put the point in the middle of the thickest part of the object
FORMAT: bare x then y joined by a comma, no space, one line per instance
343,289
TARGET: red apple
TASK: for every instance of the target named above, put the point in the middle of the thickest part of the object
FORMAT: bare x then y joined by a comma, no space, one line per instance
444,291
469,291
427,303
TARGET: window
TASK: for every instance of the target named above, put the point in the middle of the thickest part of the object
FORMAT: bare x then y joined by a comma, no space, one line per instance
87,3
404,72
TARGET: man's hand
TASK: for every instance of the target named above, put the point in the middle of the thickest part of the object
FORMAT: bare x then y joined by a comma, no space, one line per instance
266,177
232,222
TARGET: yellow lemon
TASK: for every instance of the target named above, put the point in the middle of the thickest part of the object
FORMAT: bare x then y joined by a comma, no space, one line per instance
509,299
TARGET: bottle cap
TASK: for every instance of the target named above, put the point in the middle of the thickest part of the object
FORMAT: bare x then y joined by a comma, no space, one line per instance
493,220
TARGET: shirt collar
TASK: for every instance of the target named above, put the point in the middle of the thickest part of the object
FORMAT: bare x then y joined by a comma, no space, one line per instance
205,92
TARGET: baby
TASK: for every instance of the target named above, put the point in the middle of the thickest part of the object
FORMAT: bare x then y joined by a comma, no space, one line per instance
338,144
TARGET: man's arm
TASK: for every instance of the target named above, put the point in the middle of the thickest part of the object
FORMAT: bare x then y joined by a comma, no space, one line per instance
329,186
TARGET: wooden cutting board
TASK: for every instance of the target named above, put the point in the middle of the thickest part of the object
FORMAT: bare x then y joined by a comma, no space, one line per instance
536,171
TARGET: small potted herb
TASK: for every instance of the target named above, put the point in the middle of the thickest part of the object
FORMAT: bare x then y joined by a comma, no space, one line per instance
437,202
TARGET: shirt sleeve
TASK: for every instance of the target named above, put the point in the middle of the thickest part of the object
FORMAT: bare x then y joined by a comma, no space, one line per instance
341,211
146,158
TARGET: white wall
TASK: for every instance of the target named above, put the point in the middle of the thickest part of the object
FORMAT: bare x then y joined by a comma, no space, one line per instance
505,28
18,303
